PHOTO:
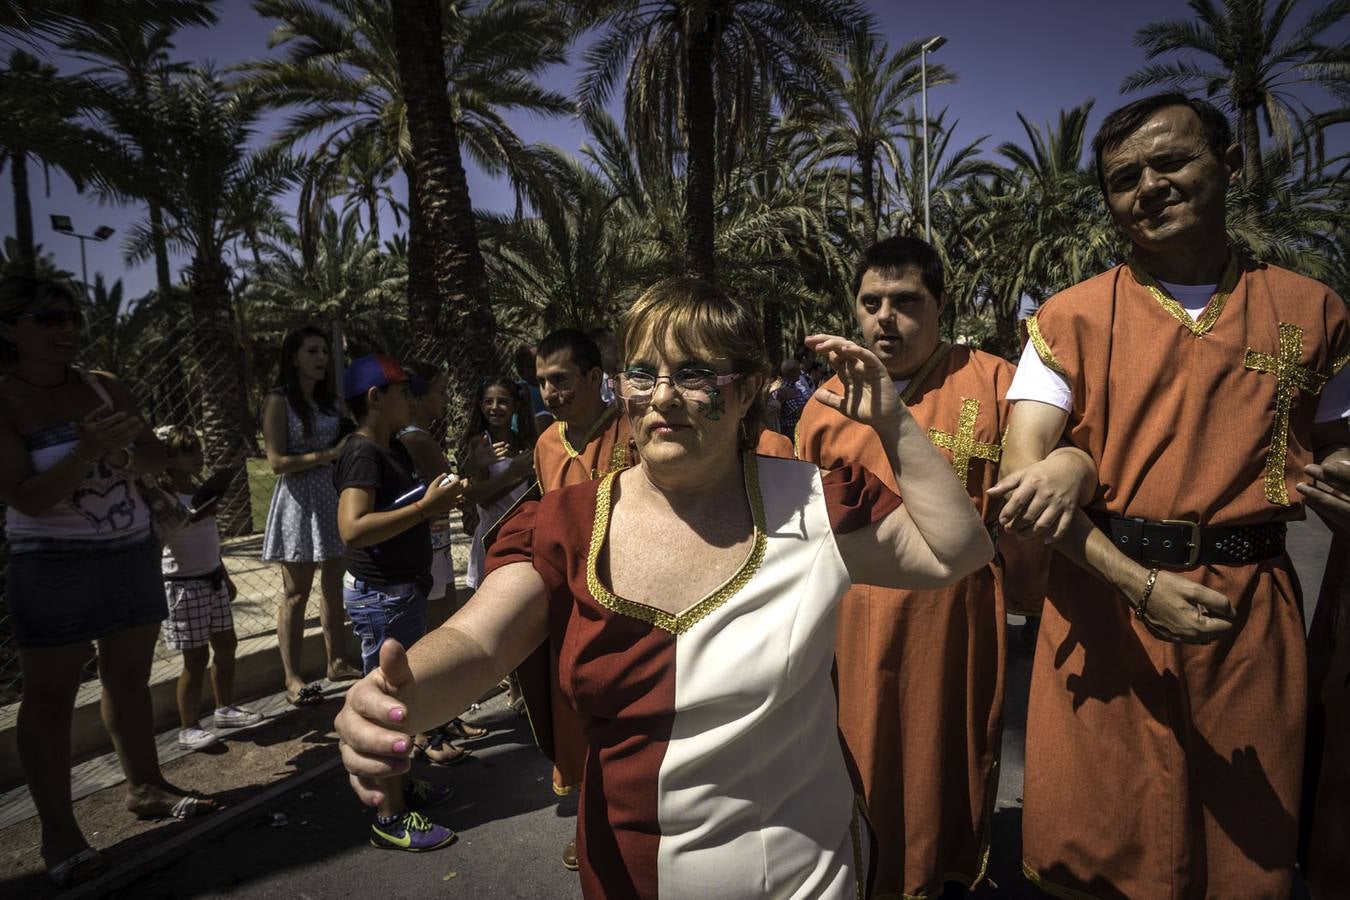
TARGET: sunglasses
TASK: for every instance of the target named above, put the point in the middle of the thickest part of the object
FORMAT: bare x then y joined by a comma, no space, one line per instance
55,317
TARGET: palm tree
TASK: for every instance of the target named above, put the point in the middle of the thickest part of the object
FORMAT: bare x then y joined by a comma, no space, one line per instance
351,278
447,284
702,77
41,118
571,264
1252,69
130,54
215,189
1044,226
358,69
865,118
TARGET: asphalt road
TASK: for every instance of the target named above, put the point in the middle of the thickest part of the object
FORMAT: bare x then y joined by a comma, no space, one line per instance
511,827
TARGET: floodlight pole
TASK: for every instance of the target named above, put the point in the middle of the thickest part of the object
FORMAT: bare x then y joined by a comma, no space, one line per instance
102,233
927,47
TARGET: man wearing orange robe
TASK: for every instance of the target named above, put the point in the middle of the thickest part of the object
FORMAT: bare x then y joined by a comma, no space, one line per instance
1326,782
921,672
1166,719
588,439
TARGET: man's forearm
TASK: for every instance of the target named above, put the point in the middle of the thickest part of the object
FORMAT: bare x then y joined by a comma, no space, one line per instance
1091,550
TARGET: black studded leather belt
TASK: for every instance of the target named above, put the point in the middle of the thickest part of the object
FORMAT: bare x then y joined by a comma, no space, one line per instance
1185,545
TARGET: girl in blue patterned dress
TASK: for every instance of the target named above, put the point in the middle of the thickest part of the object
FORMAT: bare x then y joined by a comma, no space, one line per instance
300,432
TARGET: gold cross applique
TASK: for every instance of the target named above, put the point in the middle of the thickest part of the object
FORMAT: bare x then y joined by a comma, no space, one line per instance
962,445
1289,375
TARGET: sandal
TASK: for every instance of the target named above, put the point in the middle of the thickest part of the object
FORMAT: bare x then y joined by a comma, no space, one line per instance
187,807
344,671
78,868
463,731
435,746
308,695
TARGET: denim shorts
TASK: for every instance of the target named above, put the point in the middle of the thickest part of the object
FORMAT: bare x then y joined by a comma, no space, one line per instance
397,611
71,596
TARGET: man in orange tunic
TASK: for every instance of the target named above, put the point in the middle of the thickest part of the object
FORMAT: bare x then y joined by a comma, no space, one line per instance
588,439
1326,783
1166,718
921,672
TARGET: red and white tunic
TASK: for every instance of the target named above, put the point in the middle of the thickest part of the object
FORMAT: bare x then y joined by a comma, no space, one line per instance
714,767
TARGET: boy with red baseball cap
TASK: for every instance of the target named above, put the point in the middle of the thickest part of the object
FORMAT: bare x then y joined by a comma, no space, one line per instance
389,557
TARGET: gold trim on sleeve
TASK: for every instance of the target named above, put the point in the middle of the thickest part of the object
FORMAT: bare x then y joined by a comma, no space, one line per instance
1201,326
681,622
1289,375
1339,363
1042,346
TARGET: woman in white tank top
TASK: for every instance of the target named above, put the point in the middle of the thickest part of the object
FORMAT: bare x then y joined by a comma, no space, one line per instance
83,564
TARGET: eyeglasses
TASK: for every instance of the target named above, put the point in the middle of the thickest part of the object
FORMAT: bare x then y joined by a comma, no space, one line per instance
693,384
55,317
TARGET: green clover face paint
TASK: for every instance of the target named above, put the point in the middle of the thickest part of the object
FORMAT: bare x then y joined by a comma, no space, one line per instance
714,407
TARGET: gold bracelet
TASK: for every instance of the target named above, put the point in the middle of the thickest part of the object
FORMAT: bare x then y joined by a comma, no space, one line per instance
1142,607
130,451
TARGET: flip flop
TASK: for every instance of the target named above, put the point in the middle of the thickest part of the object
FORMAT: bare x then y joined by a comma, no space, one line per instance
308,695
345,672
186,807
77,868
463,731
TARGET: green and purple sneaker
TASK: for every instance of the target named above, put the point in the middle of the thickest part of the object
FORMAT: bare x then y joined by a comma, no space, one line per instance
412,832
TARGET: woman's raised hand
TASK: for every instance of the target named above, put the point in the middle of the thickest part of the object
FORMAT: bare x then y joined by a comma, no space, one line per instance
372,728
869,395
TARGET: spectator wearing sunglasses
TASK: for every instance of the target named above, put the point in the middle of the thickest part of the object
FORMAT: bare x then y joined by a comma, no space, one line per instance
83,565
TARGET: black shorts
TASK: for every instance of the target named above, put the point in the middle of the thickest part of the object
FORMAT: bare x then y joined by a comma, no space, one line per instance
64,597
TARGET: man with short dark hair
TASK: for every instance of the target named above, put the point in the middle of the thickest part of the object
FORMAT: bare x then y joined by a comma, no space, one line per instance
920,672
1166,721
588,440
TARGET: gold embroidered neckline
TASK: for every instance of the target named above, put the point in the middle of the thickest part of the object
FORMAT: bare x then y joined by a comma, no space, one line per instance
591,432
1201,326
919,377
676,623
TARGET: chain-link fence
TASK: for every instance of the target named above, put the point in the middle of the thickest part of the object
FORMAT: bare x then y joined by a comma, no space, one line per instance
183,373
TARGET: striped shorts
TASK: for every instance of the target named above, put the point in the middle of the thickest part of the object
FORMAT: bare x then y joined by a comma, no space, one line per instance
198,608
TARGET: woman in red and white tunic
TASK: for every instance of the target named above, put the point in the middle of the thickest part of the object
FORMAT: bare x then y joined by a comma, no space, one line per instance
695,596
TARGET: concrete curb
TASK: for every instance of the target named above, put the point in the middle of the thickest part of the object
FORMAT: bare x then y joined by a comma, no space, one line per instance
173,849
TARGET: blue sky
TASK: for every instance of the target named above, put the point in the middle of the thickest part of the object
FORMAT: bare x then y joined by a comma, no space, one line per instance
1030,56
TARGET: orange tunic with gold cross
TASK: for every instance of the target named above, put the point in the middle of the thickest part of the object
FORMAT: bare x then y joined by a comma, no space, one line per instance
1158,769
921,672
559,463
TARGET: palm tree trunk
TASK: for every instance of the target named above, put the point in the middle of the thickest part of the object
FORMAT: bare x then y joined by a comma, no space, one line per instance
163,280
700,113
23,212
866,166
373,210
451,291
222,399
1254,169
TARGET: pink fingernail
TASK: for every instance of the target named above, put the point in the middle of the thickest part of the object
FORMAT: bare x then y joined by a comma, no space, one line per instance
398,714
400,746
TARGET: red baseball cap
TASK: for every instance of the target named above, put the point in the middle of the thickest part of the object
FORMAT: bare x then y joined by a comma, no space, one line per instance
373,371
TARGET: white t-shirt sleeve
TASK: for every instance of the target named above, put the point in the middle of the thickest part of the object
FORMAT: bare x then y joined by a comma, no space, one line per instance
1334,401
1036,381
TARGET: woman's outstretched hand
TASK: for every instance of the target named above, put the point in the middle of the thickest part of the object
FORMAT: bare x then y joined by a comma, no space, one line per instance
869,394
372,726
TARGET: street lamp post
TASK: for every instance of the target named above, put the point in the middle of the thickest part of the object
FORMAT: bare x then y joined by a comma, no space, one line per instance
927,47
63,225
